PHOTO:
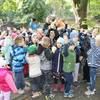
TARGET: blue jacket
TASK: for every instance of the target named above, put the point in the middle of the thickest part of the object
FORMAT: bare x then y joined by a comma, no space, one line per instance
33,25
18,54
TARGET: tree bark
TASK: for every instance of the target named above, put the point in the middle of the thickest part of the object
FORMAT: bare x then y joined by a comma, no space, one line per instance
80,11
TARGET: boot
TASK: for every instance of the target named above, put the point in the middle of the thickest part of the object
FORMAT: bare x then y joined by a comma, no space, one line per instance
55,87
61,87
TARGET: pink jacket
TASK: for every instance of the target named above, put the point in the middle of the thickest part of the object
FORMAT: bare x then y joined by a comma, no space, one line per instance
6,81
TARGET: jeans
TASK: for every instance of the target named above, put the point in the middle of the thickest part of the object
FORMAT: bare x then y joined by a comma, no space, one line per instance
46,81
93,72
68,81
36,84
19,80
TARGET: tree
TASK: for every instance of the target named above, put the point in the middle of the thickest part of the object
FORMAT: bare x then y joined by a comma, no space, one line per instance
80,11
21,10
60,8
94,11
34,8
8,9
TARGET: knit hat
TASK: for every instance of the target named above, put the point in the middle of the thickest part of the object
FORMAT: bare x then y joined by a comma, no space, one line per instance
60,40
32,49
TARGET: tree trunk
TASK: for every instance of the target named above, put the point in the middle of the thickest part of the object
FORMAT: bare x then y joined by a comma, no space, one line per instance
80,11
76,14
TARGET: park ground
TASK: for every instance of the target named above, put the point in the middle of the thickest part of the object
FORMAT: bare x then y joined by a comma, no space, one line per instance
79,93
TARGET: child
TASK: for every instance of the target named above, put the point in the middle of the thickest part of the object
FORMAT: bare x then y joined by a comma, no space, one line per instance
57,65
69,65
35,38
45,56
34,69
77,65
53,35
94,63
7,84
18,54
8,42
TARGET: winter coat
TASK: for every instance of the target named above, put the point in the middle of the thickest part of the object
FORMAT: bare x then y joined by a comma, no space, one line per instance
45,57
6,81
18,54
34,65
94,57
69,61
84,44
57,61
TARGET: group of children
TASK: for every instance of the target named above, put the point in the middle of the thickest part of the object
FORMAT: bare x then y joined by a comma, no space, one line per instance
53,61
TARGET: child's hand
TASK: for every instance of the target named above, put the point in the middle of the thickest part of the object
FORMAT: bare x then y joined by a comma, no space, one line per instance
65,39
54,49
80,58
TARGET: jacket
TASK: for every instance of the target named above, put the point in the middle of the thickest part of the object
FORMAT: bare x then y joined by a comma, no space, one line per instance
57,61
34,65
6,81
69,62
18,54
94,57
45,57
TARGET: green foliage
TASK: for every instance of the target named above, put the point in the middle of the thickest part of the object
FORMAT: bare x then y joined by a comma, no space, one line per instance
94,7
8,9
93,17
20,11
60,8
34,8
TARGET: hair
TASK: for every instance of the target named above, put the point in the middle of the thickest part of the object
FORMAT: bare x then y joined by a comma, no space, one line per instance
18,39
96,28
33,19
97,39
46,41
55,31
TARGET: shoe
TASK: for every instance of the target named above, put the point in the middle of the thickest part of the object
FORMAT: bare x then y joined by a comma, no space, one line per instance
89,88
61,87
69,95
51,95
66,95
46,98
20,91
89,93
36,94
26,88
55,87
94,90
71,91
